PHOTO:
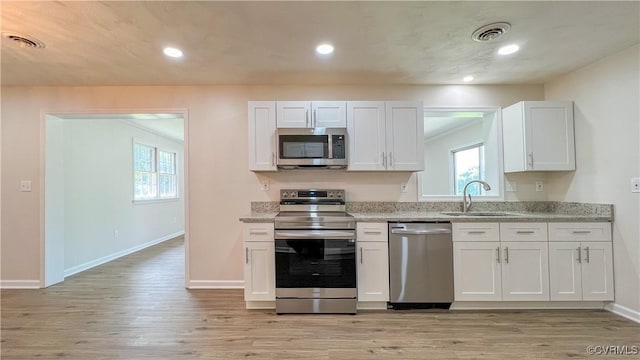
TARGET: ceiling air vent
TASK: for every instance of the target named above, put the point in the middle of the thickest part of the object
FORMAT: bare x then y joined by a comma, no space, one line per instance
23,40
491,31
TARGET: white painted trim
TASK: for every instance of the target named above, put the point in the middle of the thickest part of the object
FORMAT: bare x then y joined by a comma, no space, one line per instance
152,131
260,305
216,284
372,305
623,311
105,259
20,284
526,305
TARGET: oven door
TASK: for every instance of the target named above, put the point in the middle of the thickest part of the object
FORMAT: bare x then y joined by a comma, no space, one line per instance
317,260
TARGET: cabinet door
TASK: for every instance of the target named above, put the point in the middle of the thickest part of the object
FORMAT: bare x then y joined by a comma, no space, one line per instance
366,130
476,269
549,135
329,114
262,137
405,135
525,271
373,271
259,271
565,272
597,271
293,114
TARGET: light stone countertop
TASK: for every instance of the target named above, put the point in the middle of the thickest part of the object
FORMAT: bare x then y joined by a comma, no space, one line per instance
515,211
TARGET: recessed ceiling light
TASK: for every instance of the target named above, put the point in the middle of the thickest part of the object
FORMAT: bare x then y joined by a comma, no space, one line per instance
172,52
324,49
467,78
509,49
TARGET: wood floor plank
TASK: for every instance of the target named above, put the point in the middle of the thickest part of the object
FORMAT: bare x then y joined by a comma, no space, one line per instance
136,307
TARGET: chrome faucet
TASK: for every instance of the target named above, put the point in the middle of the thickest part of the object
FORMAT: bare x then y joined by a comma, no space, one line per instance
465,204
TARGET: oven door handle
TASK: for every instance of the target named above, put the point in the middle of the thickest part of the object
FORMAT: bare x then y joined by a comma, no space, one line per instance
314,235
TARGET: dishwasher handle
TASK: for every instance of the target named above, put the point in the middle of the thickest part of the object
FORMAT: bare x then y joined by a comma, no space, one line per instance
433,231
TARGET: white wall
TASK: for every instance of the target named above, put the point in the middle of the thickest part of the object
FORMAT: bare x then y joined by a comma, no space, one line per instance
607,128
220,185
98,192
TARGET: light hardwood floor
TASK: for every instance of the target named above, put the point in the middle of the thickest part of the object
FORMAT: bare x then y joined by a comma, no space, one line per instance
136,307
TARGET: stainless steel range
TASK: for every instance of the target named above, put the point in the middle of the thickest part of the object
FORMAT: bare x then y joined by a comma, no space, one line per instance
315,253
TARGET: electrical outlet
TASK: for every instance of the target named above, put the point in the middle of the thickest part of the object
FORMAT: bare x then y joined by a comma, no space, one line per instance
264,185
25,185
539,186
511,186
403,187
635,185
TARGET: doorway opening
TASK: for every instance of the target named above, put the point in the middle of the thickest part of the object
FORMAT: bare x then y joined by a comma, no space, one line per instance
114,183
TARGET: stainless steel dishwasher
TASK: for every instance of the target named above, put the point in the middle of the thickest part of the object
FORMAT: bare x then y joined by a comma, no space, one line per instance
420,265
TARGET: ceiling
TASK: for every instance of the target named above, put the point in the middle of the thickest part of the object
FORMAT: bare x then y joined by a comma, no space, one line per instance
265,42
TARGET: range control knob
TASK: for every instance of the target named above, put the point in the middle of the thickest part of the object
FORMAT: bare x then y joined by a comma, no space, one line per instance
330,194
339,194
284,194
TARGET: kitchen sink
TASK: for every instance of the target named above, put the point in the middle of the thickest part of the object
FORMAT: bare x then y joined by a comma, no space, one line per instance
480,213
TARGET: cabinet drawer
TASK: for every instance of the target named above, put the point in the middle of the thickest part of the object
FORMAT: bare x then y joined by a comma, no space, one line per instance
257,232
476,232
523,232
599,231
372,232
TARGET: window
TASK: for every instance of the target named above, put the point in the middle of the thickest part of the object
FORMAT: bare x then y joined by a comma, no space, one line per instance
468,164
154,173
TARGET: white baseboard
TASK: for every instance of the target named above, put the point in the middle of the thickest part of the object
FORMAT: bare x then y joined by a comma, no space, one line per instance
216,284
524,305
19,284
105,259
623,311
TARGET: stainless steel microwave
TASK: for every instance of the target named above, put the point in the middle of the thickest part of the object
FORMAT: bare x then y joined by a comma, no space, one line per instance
312,148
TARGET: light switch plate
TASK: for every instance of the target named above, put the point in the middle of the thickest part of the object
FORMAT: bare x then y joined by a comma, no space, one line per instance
511,186
635,185
403,187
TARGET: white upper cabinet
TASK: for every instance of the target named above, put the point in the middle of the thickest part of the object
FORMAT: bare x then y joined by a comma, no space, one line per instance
366,129
538,136
262,138
306,114
385,135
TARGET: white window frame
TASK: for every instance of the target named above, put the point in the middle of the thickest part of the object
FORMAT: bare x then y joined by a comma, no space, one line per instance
452,163
155,172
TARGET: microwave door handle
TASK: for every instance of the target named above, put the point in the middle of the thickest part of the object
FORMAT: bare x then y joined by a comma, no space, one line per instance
330,146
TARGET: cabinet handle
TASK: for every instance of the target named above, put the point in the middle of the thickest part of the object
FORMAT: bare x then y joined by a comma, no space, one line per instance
581,232
506,255
384,160
361,256
498,254
372,232
246,255
314,119
586,258
258,232
531,159
524,232
273,159
390,160
579,255
476,232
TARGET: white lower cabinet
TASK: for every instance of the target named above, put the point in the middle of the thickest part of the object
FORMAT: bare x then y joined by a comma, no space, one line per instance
372,262
476,271
513,267
525,271
259,262
581,270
